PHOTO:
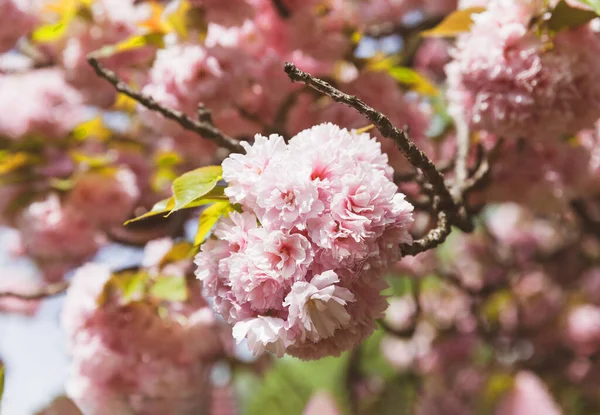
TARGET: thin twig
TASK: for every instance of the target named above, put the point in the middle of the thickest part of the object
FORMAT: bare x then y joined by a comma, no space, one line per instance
205,129
462,143
434,237
412,153
45,292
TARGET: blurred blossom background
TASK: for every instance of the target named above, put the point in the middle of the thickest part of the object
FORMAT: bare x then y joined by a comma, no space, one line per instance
102,318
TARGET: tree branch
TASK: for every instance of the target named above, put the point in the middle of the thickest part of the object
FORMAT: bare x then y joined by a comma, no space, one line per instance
457,215
282,10
434,237
205,128
45,292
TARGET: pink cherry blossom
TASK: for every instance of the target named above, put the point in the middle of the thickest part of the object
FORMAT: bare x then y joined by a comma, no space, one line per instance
503,81
22,19
38,102
299,271
107,200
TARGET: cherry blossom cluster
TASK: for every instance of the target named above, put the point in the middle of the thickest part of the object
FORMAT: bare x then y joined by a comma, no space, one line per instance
299,270
507,80
126,358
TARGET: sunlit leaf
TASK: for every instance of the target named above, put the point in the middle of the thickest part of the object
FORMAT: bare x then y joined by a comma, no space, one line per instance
50,32
131,285
455,23
497,385
415,80
566,17
194,184
364,129
178,252
155,22
62,184
162,207
166,206
131,43
125,103
10,162
594,4
209,217
95,161
176,17
93,128
170,289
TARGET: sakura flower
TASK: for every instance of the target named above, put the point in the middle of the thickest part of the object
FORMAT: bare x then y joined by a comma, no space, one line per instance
504,81
299,271
108,200
316,308
262,333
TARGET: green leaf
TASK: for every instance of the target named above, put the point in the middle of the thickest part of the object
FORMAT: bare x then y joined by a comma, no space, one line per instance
566,17
288,386
131,43
209,217
10,162
455,23
170,289
132,285
164,207
51,32
594,4
178,252
194,184
415,80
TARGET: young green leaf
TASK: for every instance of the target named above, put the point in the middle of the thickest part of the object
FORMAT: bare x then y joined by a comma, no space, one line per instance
594,4
565,16
194,184
51,32
166,206
455,23
162,207
415,80
209,217
133,42
170,289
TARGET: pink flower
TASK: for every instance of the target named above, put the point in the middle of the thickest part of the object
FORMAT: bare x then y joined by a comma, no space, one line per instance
38,102
299,271
52,231
262,333
583,328
529,395
132,356
107,200
243,171
21,18
504,81
317,308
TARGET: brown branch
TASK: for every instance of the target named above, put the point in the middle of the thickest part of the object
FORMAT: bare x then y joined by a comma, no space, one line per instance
45,292
434,237
413,154
281,8
204,128
588,223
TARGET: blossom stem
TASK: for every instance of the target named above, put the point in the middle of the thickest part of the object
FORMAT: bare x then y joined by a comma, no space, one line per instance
204,127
